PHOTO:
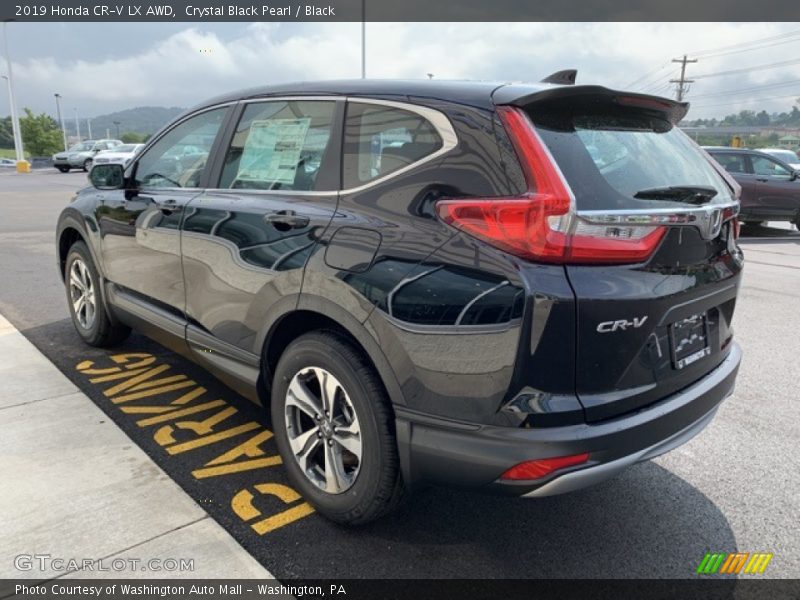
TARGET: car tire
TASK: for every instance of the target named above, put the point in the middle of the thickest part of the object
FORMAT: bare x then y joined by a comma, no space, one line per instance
349,478
87,164
87,307
63,169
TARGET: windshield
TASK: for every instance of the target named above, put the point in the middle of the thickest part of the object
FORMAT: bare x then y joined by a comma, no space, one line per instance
125,148
609,159
82,147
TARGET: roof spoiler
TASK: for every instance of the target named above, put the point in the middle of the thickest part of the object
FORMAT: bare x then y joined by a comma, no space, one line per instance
565,77
526,96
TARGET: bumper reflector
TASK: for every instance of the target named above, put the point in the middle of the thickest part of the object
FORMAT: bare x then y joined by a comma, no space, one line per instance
536,469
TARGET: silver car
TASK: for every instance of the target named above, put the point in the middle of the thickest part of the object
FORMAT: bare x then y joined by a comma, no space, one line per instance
120,154
81,154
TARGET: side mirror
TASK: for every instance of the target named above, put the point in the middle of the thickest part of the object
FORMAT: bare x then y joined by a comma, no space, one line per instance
107,177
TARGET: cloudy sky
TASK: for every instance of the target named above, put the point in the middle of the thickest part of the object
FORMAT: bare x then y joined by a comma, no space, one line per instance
103,67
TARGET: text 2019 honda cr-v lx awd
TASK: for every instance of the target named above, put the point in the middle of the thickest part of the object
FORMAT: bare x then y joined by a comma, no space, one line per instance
525,288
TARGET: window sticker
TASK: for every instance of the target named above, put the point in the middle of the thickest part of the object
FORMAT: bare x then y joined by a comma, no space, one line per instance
272,150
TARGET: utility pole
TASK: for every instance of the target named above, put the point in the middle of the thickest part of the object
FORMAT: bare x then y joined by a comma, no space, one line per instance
12,103
89,127
116,124
61,119
363,39
77,124
683,83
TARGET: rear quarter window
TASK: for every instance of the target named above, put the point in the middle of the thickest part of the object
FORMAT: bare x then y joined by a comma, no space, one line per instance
380,140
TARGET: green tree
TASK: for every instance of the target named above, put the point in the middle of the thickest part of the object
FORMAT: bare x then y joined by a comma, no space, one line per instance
130,137
6,133
40,134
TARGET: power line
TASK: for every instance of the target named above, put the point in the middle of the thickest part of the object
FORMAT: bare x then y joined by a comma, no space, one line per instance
790,41
746,90
648,75
660,82
745,100
747,69
705,53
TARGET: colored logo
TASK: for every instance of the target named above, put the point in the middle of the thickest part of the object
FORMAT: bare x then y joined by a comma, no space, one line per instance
734,563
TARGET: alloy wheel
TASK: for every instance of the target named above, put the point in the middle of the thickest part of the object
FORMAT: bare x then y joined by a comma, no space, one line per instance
82,294
323,430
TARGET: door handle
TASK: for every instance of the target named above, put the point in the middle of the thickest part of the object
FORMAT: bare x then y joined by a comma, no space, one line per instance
764,180
287,219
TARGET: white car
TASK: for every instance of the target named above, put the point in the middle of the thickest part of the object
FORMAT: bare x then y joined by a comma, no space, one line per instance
8,163
787,156
120,155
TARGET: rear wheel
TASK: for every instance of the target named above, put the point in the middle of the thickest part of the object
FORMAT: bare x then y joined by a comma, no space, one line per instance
334,429
86,305
63,169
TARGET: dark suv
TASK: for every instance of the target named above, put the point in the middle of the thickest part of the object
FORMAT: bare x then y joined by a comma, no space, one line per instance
770,187
518,287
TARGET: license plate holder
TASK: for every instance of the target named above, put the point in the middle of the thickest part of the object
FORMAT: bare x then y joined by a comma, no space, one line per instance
689,340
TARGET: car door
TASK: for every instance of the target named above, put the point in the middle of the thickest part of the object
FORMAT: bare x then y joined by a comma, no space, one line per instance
140,224
245,241
778,191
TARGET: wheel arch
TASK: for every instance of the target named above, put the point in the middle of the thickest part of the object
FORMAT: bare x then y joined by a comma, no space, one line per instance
314,314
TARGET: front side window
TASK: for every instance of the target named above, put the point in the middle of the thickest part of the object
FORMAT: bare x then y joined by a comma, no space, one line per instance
279,145
178,159
380,140
766,166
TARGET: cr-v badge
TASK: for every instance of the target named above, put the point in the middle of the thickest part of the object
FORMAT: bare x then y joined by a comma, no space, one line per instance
611,326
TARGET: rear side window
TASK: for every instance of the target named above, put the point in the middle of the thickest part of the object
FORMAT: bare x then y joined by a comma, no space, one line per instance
609,158
733,163
380,140
279,146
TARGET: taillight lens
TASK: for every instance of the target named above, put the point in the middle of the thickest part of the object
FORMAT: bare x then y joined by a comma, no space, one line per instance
539,225
536,469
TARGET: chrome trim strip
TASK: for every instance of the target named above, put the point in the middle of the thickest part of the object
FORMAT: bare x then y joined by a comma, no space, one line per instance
581,478
576,480
708,219
475,299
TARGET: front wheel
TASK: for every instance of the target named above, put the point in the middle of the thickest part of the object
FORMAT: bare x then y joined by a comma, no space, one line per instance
334,429
87,164
86,305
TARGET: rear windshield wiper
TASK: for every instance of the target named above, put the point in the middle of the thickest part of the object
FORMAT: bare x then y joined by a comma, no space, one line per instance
690,194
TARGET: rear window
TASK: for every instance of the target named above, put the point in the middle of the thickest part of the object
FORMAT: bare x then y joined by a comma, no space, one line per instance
608,159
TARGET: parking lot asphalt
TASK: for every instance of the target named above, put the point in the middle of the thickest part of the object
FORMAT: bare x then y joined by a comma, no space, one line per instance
734,487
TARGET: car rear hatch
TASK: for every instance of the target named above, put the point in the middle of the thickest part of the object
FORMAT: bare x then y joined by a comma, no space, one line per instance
644,224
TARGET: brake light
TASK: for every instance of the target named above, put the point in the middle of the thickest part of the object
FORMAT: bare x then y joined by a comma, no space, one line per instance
536,469
540,225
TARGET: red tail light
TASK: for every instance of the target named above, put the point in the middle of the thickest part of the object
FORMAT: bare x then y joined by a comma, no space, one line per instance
536,469
539,225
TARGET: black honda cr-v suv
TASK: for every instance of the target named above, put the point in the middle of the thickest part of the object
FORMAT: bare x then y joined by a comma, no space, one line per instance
518,287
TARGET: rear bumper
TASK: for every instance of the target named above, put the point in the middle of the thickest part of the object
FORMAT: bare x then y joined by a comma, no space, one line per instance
466,454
